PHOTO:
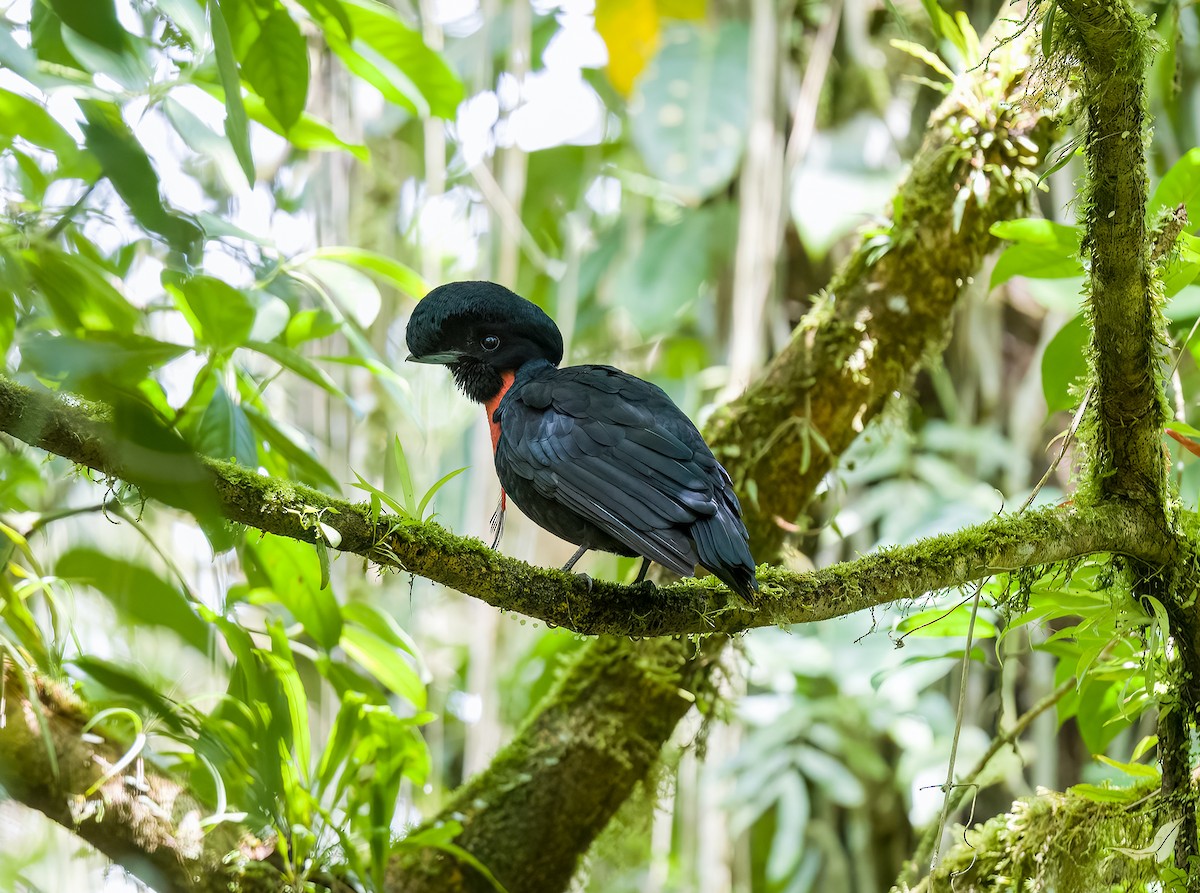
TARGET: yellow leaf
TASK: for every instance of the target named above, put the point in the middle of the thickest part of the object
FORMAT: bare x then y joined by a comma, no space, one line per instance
630,30
688,10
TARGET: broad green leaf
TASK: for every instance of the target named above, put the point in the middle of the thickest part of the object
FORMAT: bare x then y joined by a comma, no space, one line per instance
119,360
276,66
1184,268
237,124
289,443
302,366
392,57
218,313
402,276
942,622
290,569
308,325
1064,363
224,431
351,292
140,595
308,132
321,9
383,625
23,117
441,837
128,168
94,19
1101,794
78,292
384,662
128,65
1180,186
689,115
1041,249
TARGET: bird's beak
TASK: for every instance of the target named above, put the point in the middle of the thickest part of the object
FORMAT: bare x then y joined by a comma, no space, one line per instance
441,359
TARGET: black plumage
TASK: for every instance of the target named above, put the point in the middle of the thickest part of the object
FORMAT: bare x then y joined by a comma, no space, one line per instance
592,454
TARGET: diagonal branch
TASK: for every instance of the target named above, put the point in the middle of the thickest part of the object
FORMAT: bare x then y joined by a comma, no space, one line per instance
140,818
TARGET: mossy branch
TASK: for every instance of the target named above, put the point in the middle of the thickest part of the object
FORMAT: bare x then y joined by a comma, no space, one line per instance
137,816
78,431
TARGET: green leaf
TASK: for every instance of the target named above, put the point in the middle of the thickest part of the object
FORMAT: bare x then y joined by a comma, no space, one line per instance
119,360
224,431
340,740
302,366
1064,363
689,115
381,495
382,661
308,325
441,837
289,443
218,313
1183,268
78,292
281,662
128,168
291,571
404,474
393,58
1180,186
94,19
432,491
237,124
402,276
942,622
205,142
276,66
308,132
1042,249
141,597
1101,794
137,690
21,116
383,625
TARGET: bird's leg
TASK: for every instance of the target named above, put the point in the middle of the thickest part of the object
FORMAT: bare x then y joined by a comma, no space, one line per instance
641,577
571,562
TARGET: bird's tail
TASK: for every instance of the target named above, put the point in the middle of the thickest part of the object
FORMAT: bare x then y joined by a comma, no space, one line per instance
723,547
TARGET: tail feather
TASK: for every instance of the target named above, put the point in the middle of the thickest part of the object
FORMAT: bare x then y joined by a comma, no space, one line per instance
723,549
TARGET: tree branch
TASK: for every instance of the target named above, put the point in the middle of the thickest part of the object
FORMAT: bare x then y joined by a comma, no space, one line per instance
76,430
140,818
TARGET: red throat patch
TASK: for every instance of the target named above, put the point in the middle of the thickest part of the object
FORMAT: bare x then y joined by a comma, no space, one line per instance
493,404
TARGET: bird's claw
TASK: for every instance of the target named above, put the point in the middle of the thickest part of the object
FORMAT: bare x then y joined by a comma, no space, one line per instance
587,580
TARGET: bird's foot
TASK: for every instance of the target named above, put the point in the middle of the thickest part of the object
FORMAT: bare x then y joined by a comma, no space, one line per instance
587,580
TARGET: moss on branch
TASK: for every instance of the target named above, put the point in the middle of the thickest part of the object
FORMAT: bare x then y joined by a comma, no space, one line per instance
143,820
597,607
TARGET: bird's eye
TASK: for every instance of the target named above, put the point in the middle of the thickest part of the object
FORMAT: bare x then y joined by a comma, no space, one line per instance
489,342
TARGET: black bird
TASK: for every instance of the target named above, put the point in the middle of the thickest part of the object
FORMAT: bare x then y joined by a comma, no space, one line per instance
590,453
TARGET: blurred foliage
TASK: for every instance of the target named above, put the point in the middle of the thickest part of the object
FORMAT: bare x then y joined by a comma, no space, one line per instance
182,183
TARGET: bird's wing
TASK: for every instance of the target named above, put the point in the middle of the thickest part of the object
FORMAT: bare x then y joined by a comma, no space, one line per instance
615,450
